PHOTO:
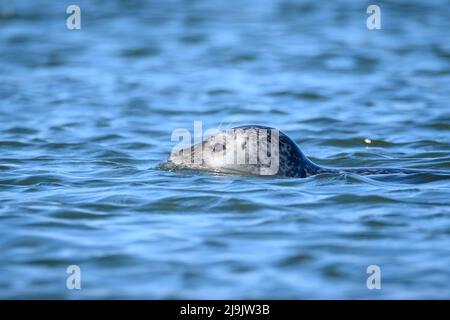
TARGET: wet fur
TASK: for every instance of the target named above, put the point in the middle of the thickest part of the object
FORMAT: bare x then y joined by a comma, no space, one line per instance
293,163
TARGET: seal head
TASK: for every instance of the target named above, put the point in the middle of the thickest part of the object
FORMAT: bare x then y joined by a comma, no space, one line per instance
260,150
255,150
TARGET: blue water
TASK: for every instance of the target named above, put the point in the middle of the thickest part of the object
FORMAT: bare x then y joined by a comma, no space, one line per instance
86,118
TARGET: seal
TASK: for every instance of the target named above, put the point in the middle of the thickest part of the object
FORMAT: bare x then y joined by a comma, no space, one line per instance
261,150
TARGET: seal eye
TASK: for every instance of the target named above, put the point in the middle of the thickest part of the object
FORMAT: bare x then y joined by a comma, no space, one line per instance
218,147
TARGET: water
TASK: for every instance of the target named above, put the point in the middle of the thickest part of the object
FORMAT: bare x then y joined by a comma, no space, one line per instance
86,117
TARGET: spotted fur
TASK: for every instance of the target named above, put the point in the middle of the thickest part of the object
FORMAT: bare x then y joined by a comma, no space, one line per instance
291,161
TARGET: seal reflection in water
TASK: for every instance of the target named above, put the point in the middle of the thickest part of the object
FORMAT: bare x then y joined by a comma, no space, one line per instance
260,150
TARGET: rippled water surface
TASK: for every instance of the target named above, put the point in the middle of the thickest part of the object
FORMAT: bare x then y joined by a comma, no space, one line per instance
86,117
